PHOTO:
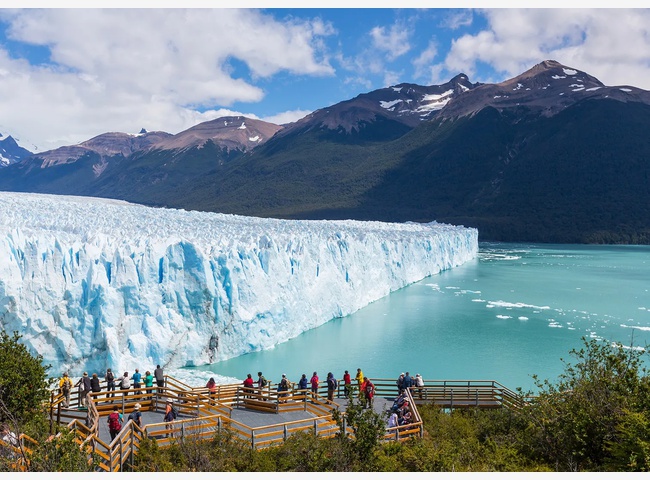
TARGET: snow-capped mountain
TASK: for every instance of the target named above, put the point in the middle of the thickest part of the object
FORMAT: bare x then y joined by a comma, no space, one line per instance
104,146
406,104
10,151
92,283
552,146
231,133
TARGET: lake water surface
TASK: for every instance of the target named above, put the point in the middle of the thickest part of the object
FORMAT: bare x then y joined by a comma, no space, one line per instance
514,311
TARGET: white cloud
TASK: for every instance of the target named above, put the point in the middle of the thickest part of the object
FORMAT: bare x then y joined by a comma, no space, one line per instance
287,117
611,44
455,20
130,68
423,61
393,41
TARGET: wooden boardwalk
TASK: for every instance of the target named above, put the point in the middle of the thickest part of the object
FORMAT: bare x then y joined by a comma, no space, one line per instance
261,418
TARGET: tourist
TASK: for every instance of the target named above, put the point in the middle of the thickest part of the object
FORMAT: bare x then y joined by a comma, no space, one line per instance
170,416
11,439
110,383
125,384
302,383
400,383
392,420
408,381
283,387
95,386
160,378
65,387
314,384
331,386
137,379
148,382
211,386
359,378
87,388
419,383
261,382
136,415
369,391
248,386
114,422
347,384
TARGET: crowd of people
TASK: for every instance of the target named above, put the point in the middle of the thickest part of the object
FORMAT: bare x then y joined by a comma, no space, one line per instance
126,383
399,414
365,388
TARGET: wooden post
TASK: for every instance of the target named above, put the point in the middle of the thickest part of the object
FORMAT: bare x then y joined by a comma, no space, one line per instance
451,402
315,427
285,433
253,439
52,412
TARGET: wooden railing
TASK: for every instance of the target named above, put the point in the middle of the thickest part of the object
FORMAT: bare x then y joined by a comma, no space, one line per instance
206,413
451,394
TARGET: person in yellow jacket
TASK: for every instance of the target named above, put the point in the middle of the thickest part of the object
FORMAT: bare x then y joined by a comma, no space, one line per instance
359,378
65,386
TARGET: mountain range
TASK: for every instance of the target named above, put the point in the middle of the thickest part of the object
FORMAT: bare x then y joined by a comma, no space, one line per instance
551,155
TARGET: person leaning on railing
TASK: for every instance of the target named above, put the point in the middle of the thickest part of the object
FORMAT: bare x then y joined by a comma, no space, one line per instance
248,386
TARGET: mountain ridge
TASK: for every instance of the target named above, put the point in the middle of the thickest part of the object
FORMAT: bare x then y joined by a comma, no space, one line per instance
455,152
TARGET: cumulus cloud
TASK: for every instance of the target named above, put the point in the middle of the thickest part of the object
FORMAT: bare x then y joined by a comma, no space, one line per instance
423,62
611,44
393,41
152,68
286,117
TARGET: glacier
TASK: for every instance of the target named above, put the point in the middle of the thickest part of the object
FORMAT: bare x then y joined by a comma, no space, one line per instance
93,283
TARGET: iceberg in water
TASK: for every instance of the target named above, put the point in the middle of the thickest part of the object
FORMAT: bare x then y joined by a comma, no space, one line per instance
94,283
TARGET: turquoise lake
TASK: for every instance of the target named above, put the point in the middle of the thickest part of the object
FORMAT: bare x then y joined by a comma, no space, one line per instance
514,311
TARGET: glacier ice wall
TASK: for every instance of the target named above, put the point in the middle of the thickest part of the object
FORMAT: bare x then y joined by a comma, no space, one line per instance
93,283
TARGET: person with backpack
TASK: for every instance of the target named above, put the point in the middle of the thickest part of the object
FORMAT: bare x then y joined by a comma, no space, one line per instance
86,389
114,423
331,386
110,383
261,382
136,415
65,387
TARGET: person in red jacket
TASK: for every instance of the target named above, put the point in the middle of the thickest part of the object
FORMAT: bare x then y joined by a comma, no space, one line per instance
369,392
314,384
248,385
347,383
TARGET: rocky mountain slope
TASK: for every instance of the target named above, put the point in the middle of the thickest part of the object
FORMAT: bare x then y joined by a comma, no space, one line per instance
551,155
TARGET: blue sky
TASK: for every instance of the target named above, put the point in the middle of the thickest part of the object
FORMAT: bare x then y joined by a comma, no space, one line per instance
68,74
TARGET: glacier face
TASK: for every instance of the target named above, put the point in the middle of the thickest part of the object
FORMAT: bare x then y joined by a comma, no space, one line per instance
94,283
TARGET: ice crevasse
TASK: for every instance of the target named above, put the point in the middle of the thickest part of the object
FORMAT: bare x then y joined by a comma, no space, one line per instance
93,283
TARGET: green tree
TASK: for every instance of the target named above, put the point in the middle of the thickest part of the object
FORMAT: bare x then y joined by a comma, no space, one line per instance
23,381
595,416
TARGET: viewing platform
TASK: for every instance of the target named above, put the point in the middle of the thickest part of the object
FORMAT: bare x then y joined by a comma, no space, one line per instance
260,418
